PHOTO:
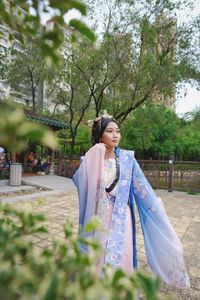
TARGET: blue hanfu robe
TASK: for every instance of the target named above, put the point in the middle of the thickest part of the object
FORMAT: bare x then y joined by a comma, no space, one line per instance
163,248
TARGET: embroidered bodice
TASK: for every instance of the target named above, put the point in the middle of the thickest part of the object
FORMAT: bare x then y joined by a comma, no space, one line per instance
110,174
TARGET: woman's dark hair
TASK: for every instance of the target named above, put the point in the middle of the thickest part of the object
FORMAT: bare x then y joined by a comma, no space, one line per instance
99,127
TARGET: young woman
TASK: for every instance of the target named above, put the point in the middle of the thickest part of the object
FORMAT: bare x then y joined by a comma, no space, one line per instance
110,182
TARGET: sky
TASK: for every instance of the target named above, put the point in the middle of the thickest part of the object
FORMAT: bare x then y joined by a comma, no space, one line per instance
189,102
189,98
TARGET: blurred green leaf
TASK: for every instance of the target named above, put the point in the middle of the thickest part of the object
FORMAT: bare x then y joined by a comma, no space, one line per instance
150,285
82,28
64,6
51,293
16,131
28,272
68,230
79,6
15,14
94,224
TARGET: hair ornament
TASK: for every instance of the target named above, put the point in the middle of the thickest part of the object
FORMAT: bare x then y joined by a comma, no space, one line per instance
90,123
104,115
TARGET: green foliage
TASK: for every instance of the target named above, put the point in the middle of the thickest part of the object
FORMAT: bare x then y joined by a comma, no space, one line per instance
16,131
141,54
71,99
154,136
61,271
82,28
3,63
24,19
144,55
161,133
188,138
83,136
27,71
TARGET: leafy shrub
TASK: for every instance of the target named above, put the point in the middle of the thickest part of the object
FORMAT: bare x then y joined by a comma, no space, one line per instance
61,272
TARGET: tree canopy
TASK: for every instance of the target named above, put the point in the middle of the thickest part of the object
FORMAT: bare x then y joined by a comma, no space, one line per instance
156,132
141,55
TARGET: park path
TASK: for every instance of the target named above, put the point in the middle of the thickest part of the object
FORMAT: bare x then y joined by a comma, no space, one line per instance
61,205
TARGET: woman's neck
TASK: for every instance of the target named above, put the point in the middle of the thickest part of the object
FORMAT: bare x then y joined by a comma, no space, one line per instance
110,153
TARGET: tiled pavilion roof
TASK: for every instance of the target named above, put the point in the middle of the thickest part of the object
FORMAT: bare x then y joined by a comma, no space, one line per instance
53,123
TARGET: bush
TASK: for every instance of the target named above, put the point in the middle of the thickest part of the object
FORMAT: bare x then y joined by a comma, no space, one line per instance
61,272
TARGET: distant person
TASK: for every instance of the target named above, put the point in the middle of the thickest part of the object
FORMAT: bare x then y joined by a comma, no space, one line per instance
30,158
2,159
4,170
2,150
36,161
44,166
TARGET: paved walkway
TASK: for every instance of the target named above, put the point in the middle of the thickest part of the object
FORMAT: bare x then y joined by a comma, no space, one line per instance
61,205
52,183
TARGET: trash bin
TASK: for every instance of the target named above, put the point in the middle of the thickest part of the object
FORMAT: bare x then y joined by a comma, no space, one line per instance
15,174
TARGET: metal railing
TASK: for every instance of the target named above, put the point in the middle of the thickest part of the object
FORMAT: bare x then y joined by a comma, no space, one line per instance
162,174
172,175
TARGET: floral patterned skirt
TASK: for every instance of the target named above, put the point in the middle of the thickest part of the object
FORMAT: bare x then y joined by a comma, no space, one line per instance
127,258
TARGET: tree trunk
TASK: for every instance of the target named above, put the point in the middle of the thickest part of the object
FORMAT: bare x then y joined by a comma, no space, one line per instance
13,157
72,146
33,98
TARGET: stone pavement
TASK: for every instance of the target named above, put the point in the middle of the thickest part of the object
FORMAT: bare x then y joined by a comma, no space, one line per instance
52,183
183,210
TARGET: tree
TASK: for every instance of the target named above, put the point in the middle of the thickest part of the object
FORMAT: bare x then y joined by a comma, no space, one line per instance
105,69
188,139
156,132
124,70
152,132
135,60
26,71
68,94
86,75
23,20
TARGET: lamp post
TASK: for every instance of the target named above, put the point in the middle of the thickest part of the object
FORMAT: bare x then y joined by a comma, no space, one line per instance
170,174
52,168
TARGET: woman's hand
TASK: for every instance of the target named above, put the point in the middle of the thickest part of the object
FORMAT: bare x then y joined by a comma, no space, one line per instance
105,147
109,152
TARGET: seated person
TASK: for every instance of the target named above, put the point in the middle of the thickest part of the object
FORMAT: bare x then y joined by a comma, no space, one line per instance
30,158
36,161
2,159
4,172
45,163
33,161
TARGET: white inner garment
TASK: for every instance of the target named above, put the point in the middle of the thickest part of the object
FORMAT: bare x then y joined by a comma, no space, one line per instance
110,174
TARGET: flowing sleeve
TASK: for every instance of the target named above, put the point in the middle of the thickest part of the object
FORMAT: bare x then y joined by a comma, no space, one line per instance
87,180
80,181
162,245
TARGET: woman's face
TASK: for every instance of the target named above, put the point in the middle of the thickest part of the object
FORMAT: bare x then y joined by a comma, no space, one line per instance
111,135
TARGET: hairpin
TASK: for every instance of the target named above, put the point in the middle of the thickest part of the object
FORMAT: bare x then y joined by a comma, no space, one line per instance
103,115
